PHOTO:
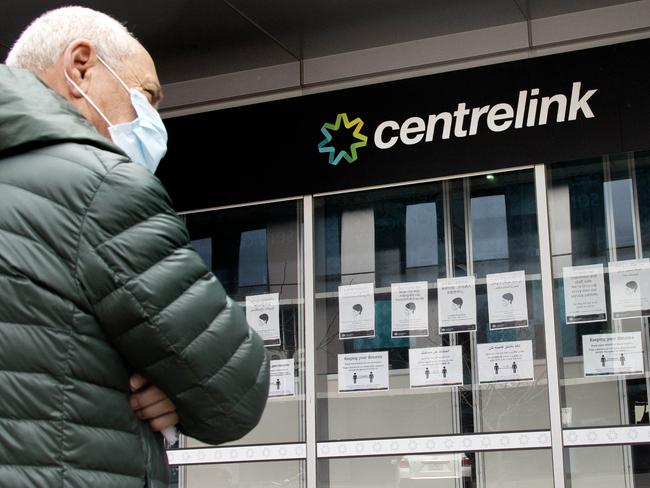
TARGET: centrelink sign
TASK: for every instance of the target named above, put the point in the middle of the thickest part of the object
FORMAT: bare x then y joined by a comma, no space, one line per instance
543,110
532,109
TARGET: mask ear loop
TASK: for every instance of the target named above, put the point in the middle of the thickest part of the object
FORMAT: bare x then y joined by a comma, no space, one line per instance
128,90
87,98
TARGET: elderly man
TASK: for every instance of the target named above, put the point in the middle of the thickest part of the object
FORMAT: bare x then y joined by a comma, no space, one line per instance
101,294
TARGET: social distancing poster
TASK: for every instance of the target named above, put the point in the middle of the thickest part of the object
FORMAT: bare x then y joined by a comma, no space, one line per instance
282,378
612,354
435,366
501,362
363,371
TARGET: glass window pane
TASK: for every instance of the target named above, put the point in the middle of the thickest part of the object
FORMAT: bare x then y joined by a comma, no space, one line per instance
608,466
255,251
499,469
503,230
378,238
283,474
389,249
595,217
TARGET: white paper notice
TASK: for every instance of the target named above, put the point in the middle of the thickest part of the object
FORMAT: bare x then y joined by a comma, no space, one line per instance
629,288
282,378
456,304
584,294
263,315
507,303
436,366
409,309
357,311
499,362
613,354
363,371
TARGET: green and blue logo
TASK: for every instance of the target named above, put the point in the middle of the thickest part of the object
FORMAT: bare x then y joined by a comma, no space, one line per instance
347,153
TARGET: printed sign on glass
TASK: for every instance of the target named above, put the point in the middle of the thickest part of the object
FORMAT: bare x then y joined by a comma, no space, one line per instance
507,303
501,362
612,354
584,294
363,371
456,304
435,366
282,378
409,309
263,315
357,311
629,288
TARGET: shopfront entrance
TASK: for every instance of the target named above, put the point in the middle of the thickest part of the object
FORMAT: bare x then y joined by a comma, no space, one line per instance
485,327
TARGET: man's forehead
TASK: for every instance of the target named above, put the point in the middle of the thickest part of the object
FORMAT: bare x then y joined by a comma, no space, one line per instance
141,64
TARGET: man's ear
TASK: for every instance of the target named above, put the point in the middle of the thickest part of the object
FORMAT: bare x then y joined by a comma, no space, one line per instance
79,63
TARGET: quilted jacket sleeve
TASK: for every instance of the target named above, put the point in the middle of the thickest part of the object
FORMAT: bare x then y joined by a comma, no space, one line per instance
167,315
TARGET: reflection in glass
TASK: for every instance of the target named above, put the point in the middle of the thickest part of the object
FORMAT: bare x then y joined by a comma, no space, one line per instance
204,248
622,216
421,235
357,239
498,469
489,228
253,261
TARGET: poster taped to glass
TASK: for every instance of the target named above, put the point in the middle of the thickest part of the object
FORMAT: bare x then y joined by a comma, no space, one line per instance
612,354
263,315
363,371
507,302
357,311
409,309
502,362
435,366
282,378
584,294
456,304
629,288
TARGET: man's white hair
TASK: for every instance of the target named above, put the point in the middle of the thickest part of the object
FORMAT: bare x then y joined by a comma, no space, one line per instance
46,38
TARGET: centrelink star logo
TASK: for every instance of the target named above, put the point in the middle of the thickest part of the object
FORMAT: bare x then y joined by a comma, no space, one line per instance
350,154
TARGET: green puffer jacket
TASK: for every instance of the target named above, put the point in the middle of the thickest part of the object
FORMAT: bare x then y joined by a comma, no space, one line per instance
98,280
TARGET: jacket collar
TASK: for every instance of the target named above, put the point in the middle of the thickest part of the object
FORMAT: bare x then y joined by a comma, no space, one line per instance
33,115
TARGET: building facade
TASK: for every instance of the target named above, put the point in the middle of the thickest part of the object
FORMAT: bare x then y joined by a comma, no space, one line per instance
451,273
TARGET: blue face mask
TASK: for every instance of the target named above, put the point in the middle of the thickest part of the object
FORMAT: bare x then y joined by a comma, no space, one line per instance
144,139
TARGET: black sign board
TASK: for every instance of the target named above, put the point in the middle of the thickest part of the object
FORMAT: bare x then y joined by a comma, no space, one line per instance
547,109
